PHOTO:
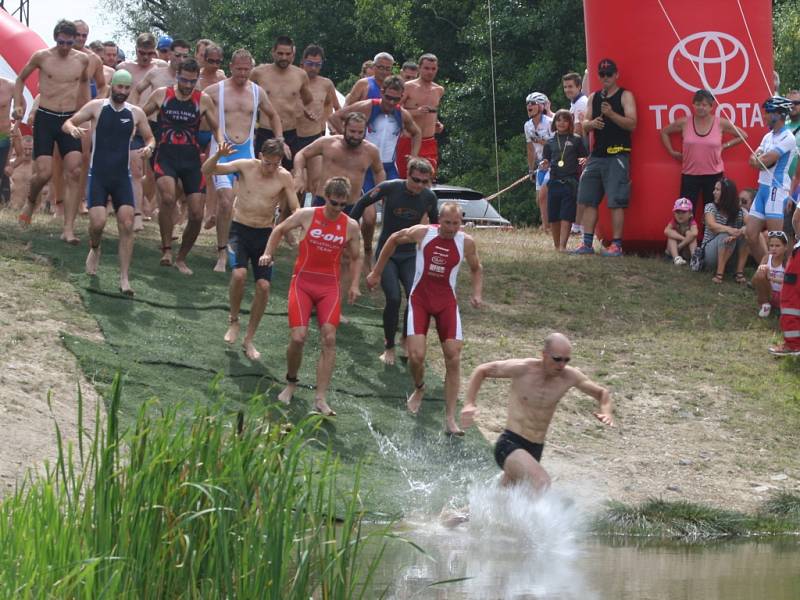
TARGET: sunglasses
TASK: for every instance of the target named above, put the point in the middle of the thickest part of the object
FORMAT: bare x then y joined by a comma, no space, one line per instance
382,68
419,180
214,61
185,81
178,54
605,74
312,63
394,99
145,52
65,42
82,35
336,204
560,359
778,234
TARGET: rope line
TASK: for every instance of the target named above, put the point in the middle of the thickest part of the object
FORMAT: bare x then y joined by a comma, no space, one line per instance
494,98
753,46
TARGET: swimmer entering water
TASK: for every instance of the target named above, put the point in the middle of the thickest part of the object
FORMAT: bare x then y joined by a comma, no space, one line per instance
537,384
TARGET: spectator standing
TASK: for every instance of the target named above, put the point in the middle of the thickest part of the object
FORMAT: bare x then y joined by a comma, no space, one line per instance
537,131
578,102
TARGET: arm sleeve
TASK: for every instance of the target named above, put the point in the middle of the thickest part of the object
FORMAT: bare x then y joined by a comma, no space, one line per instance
368,199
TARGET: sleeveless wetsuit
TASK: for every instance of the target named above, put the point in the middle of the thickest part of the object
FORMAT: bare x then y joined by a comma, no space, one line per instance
109,174
178,152
315,282
434,290
243,150
373,89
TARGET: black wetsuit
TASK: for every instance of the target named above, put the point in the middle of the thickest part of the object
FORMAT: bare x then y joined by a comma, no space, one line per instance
401,209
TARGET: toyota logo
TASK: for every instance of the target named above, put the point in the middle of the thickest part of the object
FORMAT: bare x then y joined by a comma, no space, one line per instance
714,62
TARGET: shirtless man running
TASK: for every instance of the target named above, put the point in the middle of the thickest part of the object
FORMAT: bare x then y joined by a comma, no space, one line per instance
327,233
288,89
263,186
238,101
210,73
537,384
421,98
108,55
325,102
63,71
163,76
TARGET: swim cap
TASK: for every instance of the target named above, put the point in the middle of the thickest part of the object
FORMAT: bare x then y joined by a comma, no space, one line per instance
122,77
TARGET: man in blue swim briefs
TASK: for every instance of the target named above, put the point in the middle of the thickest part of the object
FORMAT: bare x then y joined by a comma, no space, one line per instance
537,384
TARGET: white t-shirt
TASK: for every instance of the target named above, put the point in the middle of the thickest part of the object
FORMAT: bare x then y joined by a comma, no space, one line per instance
782,142
542,130
578,108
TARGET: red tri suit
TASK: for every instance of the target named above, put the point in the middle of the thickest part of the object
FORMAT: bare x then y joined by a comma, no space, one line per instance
315,281
434,291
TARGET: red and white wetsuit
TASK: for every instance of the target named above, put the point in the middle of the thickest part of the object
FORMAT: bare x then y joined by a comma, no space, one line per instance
315,281
434,291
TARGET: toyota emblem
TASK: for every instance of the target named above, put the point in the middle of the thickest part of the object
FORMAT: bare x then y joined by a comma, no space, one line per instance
715,61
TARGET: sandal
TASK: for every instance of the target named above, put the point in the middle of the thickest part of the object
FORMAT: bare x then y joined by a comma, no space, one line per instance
717,278
739,277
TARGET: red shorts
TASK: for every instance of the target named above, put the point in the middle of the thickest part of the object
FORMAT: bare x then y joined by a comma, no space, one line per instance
424,304
429,150
309,290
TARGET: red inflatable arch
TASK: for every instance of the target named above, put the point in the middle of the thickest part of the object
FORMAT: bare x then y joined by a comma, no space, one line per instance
665,50
18,45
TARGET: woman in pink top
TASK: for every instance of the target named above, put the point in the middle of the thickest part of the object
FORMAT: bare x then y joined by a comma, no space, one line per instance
702,147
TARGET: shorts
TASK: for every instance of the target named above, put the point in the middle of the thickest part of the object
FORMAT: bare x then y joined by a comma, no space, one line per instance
180,163
542,178
290,139
369,180
769,203
302,142
47,133
204,138
309,290
247,244
429,150
561,200
99,186
320,201
606,175
424,304
510,441
243,150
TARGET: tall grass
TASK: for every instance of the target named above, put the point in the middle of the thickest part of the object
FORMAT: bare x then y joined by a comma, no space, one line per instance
176,507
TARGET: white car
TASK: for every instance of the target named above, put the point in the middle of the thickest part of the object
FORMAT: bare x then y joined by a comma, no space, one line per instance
477,211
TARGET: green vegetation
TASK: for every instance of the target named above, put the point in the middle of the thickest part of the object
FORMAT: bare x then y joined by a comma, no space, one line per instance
690,522
210,506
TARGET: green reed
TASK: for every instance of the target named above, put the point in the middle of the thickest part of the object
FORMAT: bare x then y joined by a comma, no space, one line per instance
208,506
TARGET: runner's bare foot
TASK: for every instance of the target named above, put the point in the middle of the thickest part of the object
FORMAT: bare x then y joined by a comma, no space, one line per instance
125,288
288,392
166,256
211,222
221,262
415,399
183,267
322,408
92,260
452,428
233,330
70,238
387,357
250,350
138,225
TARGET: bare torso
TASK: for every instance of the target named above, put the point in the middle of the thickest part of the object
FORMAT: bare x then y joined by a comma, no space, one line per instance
6,93
320,88
283,88
259,194
138,73
533,399
61,79
339,159
419,93
210,77
238,109
160,77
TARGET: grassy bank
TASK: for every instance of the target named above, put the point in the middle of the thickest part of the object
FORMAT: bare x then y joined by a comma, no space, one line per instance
210,506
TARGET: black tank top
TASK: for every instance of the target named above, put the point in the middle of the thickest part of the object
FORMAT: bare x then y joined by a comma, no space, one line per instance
179,120
612,139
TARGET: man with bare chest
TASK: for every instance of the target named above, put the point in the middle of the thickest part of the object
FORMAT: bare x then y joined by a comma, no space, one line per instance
263,186
289,92
421,98
537,385
63,71
238,101
163,76
348,155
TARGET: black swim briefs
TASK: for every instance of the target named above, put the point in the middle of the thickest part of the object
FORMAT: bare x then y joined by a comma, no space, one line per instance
510,441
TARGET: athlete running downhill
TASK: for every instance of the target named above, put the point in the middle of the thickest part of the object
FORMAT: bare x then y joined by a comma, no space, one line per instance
440,251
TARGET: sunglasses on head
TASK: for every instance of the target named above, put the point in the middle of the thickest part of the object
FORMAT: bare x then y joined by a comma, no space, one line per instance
419,180
560,359
605,74
336,204
778,234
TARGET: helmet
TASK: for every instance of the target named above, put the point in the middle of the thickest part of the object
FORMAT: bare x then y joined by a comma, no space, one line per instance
540,98
778,104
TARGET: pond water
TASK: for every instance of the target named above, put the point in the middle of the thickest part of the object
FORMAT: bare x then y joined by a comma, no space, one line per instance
516,548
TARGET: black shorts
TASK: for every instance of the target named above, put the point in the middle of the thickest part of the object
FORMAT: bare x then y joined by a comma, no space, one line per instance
320,201
562,200
510,441
247,244
290,139
100,186
47,133
180,162
692,186
302,142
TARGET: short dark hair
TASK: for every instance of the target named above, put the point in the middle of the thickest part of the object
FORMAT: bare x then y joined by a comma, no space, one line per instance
283,40
109,44
574,77
314,50
429,57
702,95
96,45
563,114
337,187
65,27
146,40
272,147
190,65
355,116
179,44
409,64
393,82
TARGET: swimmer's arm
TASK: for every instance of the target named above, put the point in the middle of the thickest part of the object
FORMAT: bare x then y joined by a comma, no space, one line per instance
19,83
288,199
209,111
266,108
154,102
476,270
140,87
143,128
305,92
315,148
377,166
357,93
739,135
368,199
499,369
86,113
100,80
413,130
356,259
409,235
599,393
332,99
336,120
300,218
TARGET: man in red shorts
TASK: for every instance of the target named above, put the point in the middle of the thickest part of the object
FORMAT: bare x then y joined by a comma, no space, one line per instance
327,232
421,97
440,250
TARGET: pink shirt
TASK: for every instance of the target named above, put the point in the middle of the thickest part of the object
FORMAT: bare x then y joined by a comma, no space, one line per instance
702,154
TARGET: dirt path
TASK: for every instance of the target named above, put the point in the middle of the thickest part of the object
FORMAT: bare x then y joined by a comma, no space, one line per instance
35,306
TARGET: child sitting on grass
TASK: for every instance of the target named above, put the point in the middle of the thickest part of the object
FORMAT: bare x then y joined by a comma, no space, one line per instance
681,232
768,279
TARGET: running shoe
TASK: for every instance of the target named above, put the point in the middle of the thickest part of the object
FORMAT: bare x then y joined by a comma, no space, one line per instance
576,229
782,350
582,249
612,250
765,309
679,261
